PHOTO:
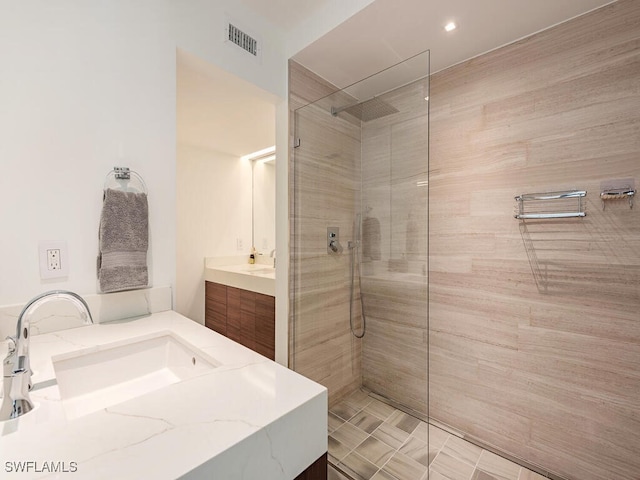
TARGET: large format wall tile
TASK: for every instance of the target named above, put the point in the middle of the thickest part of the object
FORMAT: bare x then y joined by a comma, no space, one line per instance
534,331
377,166
324,188
395,162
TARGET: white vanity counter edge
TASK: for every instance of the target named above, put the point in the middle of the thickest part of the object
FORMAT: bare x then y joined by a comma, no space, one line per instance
258,277
249,418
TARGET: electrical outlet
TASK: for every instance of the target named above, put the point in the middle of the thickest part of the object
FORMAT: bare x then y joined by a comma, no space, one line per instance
239,245
54,260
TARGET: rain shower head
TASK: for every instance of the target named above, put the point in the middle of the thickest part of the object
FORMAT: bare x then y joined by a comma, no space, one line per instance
367,110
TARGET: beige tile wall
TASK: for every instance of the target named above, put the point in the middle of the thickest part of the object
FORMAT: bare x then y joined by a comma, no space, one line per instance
395,168
328,186
324,191
535,326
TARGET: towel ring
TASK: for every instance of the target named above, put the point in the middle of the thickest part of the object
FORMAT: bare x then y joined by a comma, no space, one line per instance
120,179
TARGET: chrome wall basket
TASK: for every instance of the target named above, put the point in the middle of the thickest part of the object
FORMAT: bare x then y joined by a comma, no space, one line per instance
617,190
565,204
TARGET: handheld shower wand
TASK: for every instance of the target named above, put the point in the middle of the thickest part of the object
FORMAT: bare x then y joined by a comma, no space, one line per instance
353,249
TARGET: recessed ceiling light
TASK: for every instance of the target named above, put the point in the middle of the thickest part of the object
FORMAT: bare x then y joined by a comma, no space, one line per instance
450,26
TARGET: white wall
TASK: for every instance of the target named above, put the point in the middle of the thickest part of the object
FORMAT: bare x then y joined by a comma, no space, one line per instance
200,30
88,85
282,233
213,210
329,16
81,85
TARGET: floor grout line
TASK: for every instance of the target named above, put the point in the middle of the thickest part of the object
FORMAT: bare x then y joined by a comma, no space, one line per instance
361,409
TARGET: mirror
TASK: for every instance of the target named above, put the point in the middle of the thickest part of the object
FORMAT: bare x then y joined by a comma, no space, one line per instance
220,119
264,206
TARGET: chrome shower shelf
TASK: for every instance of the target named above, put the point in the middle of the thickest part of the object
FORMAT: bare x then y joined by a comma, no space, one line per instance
566,204
617,194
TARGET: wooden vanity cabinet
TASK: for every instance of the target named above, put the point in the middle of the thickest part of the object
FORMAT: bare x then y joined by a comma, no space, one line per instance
249,318
316,471
243,316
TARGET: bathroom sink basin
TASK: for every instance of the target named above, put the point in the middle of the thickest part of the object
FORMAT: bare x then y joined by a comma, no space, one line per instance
256,269
259,278
261,271
98,377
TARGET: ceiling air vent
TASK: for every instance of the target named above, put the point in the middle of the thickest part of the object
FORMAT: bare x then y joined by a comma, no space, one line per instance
244,41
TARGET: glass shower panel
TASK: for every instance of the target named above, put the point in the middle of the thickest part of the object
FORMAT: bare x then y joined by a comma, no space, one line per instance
361,171
326,195
394,273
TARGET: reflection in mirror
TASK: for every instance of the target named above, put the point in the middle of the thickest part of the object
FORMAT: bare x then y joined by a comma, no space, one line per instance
263,224
219,119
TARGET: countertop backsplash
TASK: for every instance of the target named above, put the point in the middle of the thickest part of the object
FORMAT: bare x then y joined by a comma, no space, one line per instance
61,315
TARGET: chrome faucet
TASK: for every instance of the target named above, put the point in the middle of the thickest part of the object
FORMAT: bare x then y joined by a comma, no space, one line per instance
15,367
273,255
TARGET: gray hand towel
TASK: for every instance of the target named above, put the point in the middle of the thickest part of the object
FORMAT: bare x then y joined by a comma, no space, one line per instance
123,241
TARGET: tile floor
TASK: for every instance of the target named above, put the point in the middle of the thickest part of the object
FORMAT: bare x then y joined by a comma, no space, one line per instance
370,440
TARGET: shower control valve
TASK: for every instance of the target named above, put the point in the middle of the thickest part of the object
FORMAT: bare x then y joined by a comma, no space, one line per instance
333,240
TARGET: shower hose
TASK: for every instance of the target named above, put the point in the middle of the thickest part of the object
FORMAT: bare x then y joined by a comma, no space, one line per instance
353,247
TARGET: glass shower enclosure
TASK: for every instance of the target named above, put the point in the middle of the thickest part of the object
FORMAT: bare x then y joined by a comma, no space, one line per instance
359,243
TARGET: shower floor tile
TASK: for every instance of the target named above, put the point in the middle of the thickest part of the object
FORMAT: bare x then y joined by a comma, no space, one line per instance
460,449
334,422
402,466
417,450
370,440
344,410
391,435
333,474
358,467
498,467
337,449
375,451
403,421
379,409
349,435
365,421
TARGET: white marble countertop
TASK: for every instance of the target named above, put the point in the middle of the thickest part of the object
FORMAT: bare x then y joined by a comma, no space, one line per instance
258,277
249,418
